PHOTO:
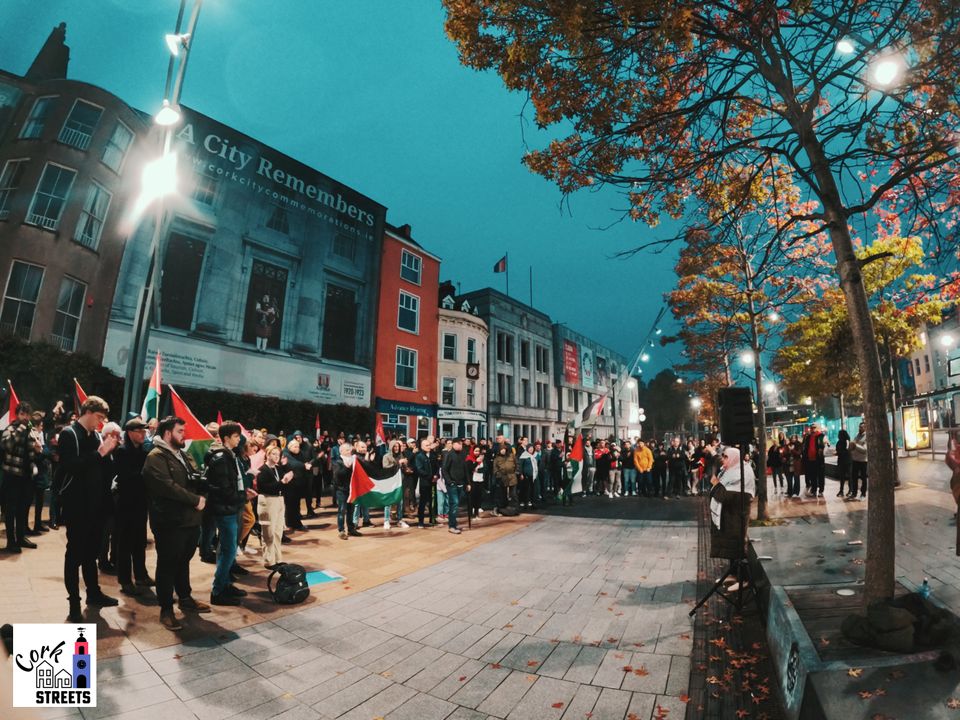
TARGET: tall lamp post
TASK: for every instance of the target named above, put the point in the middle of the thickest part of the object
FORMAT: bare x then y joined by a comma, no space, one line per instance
696,403
159,180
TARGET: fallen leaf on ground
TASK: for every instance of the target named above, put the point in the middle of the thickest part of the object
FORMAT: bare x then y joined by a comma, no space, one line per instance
557,705
387,674
865,694
532,663
628,668
742,714
855,672
824,641
896,675
685,636
496,666
684,698
462,678
880,692
953,703
641,671
508,625
611,639
638,644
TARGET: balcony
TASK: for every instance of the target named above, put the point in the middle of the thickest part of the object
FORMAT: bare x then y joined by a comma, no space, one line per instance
20,331
43,221
67,344
75,138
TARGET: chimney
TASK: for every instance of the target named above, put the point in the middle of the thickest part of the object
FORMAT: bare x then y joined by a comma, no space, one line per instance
406,231
51,62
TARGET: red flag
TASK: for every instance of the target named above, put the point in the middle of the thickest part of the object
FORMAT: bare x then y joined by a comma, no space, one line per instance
576,453
501,265
219,418
194,429
360,482
79,396
380,437
317,427
11,416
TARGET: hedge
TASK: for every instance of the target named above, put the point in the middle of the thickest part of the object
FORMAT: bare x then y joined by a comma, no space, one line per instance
42,374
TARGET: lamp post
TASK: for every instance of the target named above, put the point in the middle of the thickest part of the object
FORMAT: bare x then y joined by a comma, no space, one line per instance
159,180
696,403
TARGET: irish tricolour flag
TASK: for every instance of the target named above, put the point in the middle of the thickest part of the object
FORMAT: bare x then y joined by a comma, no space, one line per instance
369,493
198,440
576,465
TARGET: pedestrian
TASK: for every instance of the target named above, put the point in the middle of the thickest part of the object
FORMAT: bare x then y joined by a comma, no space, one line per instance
505,474
677,467
616,469
131,517
175,510
425,480
456,475
602,477
568,477
729,509
628,470
528,475
369,460
394,460
270,508
477,481
814,468
843,459
19,451
858,461
225,500
659,472
776,468
41,475
342,472
293,458
108,538
643,462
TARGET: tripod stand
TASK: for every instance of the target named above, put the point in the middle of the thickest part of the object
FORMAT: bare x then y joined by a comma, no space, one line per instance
739,567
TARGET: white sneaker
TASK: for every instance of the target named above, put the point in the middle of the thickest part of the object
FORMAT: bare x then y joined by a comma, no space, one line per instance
616,494
250,550
386,525
404,525
609,495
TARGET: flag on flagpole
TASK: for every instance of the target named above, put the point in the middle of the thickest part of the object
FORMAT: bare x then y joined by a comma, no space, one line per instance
370,493
79,396
9,417
151,403
219,418
380,437
589,415
198,440
317,427
576,465
501,265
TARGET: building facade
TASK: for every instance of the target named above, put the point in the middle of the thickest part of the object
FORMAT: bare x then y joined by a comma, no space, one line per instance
585,370
405,369
70,155
520,394
462,369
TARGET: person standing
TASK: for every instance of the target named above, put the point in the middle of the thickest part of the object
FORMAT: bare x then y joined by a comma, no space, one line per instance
843,458
20,449
629,470
616,469
294,459
41,477
85,494
528,475
589,469
423,468
643,462
270,508
602,477
677,467
660,471
225,500
456,474
776,469
342,472
858,461
505,473
131,518
175,510
813,461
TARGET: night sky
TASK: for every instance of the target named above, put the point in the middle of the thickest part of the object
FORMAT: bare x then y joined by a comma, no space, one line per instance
372,94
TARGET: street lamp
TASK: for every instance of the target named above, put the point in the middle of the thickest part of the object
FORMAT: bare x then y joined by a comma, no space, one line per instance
846,47
696,403
645,357
746,357
886,70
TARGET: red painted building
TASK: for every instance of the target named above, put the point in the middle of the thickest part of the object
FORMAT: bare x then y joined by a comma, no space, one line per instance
406,344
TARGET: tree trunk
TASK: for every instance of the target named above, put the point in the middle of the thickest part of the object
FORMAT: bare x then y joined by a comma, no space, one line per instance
761,463
843,414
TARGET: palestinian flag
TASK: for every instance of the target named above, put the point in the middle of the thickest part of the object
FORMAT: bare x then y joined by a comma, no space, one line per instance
380,437
589,415
370,493
317,427
151,403
79,396
9,417
219,418
198,440
576,465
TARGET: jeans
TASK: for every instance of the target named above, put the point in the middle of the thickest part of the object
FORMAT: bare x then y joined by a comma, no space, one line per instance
643,482
588,481
208,531
361,511
175,548
453,505
17,498
426,501
441,502
859,474
629,481
344,511
793,483
229,527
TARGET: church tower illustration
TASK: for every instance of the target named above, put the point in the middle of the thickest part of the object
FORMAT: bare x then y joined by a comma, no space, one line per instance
81,663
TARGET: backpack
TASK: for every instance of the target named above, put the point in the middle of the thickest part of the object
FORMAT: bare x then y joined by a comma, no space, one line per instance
291,586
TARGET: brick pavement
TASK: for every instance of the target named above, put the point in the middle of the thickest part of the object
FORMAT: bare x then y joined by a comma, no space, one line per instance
539,623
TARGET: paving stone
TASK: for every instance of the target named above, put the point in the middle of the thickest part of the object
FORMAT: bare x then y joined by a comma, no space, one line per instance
422,707
113,704
467,714
457,679
658,669
502,700
382,703
582,703
610,673
529,654
406,669
560,660
678,681
465,639
642,704
612,704
350,697
476,690
230,701
503,646
432,674
325,689
485,644
543,699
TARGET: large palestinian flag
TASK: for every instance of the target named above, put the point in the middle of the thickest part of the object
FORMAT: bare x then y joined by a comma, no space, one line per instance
9,417
151,403
576,465
198,440
369,493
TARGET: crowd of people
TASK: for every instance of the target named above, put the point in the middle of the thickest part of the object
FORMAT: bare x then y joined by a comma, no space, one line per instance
107,484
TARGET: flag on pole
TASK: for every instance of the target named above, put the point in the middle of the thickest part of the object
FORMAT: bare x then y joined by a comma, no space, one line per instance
589,415
198,440
151,403
501,265
219,418
317,427
10,417
370,493
380,437
79,396
576,465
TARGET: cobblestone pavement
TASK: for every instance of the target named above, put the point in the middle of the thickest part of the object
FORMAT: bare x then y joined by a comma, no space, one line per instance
571,617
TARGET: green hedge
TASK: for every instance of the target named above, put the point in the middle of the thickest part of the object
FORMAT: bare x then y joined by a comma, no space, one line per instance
43,374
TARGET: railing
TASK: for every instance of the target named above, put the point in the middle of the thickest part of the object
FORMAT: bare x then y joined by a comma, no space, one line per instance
75,138
43,221
12,329
67,344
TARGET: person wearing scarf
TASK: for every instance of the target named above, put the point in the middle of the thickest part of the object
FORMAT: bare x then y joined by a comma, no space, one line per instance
727,529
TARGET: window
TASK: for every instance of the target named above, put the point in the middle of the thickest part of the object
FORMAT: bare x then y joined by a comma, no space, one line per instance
266,300
505,388
471,393
33,127
408,314
116,149
69,308
448,429
278,219
180,281
541,395
205,190
504,347
410,267
345,246
92,217
525,392
448,391
926,363
20,299
524,353
917,361
471,350
450,347
78,130
406,368
51,196
543,359
340,324
395,425
9,182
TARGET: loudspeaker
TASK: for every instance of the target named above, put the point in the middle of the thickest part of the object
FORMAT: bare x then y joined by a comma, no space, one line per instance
736,415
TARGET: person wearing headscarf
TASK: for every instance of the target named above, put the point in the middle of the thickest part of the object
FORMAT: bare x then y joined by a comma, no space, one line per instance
729,508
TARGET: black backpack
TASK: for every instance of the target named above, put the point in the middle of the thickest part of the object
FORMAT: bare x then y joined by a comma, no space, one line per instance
291,587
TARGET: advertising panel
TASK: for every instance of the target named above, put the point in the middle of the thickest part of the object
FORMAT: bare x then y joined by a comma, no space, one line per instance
915,436
571,363
587,369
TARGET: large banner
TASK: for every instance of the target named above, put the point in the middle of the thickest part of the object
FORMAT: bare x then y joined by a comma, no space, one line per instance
571,363
603,376
587,370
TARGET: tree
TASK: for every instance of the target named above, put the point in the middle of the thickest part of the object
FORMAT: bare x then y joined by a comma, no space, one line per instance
665,403
662,99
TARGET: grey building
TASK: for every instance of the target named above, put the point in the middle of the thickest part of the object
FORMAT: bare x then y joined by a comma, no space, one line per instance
521,400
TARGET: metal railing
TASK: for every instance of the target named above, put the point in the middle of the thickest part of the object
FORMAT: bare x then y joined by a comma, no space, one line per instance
67,344
75,138
43,221
13,329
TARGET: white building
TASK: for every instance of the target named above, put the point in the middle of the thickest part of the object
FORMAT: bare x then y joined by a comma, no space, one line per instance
462,370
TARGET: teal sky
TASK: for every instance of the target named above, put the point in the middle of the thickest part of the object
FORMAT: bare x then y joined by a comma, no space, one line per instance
371,93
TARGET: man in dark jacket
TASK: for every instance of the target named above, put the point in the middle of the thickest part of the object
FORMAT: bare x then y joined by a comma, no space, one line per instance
423,467
342,471
455,475
85,496
19,452
131,517
225,499
176,507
